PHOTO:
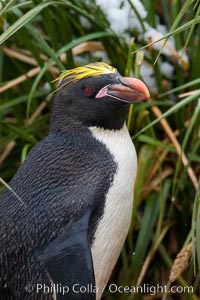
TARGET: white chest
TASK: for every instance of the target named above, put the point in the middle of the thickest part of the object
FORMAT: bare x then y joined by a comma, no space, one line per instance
114,225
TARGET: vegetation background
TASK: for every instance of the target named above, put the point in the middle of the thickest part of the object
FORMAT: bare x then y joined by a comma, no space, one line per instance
40,38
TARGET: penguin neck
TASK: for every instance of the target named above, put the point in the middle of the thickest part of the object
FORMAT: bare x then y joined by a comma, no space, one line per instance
72,122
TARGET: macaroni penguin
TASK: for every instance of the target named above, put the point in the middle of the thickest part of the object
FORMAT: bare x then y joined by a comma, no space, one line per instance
66,213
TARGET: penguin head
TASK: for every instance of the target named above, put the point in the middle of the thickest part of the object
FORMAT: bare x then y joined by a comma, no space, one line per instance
95,95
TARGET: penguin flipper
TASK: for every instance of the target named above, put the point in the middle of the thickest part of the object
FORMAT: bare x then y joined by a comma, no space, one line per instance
68,261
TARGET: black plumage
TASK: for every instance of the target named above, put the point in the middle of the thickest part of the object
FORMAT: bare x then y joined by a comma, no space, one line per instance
56,186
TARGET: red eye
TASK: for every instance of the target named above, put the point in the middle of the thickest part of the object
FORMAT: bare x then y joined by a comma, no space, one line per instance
89,91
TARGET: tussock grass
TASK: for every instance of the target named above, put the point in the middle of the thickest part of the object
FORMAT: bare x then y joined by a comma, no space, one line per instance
40,38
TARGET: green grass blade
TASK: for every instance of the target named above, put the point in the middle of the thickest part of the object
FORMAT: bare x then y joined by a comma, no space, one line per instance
172,33
144,237
7,6
188,133
24,20
178,18
172,110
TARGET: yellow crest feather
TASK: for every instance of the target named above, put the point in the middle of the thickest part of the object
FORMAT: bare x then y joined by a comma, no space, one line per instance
90,70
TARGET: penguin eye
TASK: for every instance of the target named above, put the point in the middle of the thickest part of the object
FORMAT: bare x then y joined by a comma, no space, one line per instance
89,91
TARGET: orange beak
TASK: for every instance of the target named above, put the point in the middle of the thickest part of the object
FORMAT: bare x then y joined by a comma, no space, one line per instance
130,90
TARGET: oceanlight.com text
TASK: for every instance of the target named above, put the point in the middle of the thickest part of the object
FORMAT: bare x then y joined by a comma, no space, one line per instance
112,288
150,289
